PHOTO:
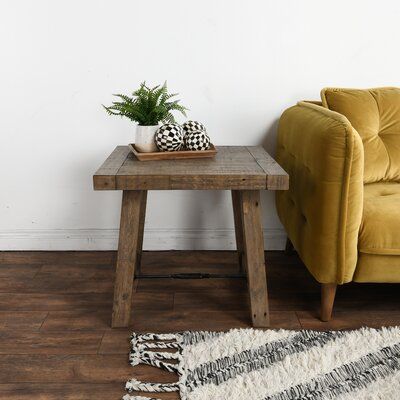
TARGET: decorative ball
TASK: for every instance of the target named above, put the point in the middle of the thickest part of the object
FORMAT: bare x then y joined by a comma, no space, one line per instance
197,140
192,126
169,137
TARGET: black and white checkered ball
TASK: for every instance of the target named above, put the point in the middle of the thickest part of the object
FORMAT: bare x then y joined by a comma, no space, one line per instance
197,140
192,126
169,137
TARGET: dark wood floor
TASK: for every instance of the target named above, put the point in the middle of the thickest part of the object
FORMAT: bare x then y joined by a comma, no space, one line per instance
55,308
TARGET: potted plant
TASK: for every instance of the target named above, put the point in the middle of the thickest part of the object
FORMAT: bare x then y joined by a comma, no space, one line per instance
148,107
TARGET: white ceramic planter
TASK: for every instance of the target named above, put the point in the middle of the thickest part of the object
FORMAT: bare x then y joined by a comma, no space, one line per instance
144,140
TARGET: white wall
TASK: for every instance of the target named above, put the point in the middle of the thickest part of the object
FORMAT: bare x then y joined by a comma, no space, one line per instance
237,65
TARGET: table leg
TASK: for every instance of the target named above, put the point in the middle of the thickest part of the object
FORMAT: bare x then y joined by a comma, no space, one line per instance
142,217
237,216
127,255
254,256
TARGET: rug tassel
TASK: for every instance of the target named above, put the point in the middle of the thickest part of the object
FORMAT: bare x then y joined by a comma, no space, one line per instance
144,351
136,360
145,337
135,385
128,397
155,355
156,359
154,345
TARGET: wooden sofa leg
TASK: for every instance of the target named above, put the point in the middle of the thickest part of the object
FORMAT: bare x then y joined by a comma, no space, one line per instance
328,291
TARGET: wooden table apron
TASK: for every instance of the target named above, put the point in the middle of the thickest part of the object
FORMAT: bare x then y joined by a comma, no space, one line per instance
245,171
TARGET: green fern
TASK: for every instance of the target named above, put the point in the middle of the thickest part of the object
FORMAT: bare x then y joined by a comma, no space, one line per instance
148,106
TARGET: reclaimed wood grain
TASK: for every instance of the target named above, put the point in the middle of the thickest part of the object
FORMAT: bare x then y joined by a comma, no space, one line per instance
237,217
104,178
277,178
234,167
127,254
142,220
248,169
254,257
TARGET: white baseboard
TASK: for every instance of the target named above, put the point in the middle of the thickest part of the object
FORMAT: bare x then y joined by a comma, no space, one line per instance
154,239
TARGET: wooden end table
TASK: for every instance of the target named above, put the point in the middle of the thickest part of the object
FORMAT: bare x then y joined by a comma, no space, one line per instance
243,170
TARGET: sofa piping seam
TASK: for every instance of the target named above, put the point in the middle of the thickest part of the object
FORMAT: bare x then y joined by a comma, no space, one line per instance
343,212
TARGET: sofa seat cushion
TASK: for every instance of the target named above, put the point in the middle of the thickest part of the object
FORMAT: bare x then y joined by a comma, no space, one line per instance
380,226
375,115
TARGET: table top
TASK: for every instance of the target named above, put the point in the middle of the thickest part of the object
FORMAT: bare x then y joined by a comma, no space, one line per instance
233,168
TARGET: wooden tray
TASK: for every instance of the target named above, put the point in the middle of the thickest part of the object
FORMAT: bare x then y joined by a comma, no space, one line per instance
173,155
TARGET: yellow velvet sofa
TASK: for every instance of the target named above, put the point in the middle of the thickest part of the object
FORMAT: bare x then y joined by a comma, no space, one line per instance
342,211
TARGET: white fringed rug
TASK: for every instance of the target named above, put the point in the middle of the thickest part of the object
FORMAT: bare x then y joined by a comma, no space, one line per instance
248,364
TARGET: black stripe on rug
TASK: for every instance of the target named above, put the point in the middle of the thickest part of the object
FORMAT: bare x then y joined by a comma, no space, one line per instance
347,378
190,338
223,369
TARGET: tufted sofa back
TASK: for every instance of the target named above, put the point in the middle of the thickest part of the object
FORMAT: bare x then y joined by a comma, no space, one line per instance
375,114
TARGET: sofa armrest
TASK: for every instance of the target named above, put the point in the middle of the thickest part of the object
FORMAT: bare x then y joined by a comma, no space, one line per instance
322,209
